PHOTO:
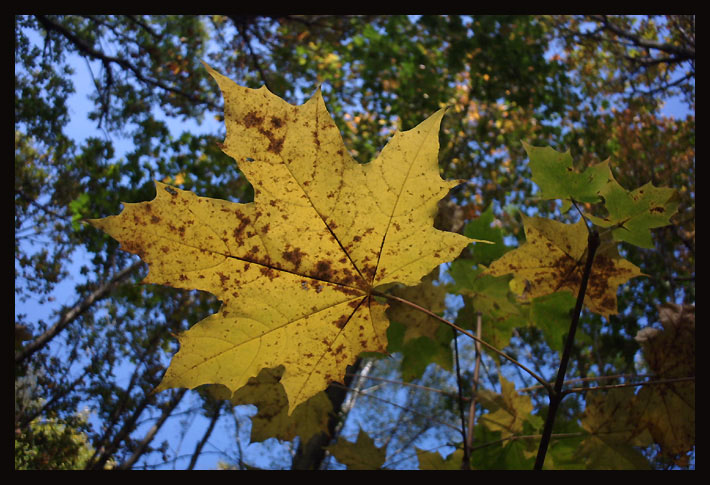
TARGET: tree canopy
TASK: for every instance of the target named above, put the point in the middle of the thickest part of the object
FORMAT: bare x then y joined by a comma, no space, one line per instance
92,342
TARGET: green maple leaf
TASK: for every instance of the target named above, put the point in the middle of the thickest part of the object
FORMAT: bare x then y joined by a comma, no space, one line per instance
637,212
631,214
551,314
483,228
491,297
554,174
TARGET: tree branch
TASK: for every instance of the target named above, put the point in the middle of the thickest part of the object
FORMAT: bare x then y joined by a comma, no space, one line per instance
556,394
198,449
73,313
166,412
682,53
468,444
89,51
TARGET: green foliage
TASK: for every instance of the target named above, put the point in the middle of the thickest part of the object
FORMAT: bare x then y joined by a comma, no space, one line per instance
51,445
597,95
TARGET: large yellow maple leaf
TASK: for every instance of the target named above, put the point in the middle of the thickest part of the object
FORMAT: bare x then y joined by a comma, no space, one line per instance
296,268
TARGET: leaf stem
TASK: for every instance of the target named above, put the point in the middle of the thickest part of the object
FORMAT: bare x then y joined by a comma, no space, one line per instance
556,394
468,334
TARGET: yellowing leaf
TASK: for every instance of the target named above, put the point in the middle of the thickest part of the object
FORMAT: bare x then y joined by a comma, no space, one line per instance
361,455
272,419
295,269
669,408
552,259
507,411
431,460
614,432
417,323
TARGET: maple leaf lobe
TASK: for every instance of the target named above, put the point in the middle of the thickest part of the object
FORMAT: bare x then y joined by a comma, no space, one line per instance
295,268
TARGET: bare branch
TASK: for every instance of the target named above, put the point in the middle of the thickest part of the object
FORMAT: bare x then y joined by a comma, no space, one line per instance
73,313
681,53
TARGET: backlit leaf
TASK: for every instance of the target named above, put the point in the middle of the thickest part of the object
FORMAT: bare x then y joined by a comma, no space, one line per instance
552,259
361,455
669,408
295,269
636,212
556,177
272,419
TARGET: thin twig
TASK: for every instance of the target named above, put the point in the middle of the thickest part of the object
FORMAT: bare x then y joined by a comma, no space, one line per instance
588,379
468,334
460,391
407,384
405,408
629,384
468,444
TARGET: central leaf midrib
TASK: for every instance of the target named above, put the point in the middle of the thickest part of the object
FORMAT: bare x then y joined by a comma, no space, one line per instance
315,209
396,203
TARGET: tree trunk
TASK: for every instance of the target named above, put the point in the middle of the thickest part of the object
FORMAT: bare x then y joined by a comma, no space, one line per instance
310,455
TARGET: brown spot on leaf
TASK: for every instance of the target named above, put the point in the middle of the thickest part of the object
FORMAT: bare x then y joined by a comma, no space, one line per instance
294,256
342,321
276,122
253,119
223,278
239,230
269,272
275,144
323,270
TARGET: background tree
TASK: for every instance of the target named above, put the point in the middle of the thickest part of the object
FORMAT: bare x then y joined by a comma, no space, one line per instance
595,85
